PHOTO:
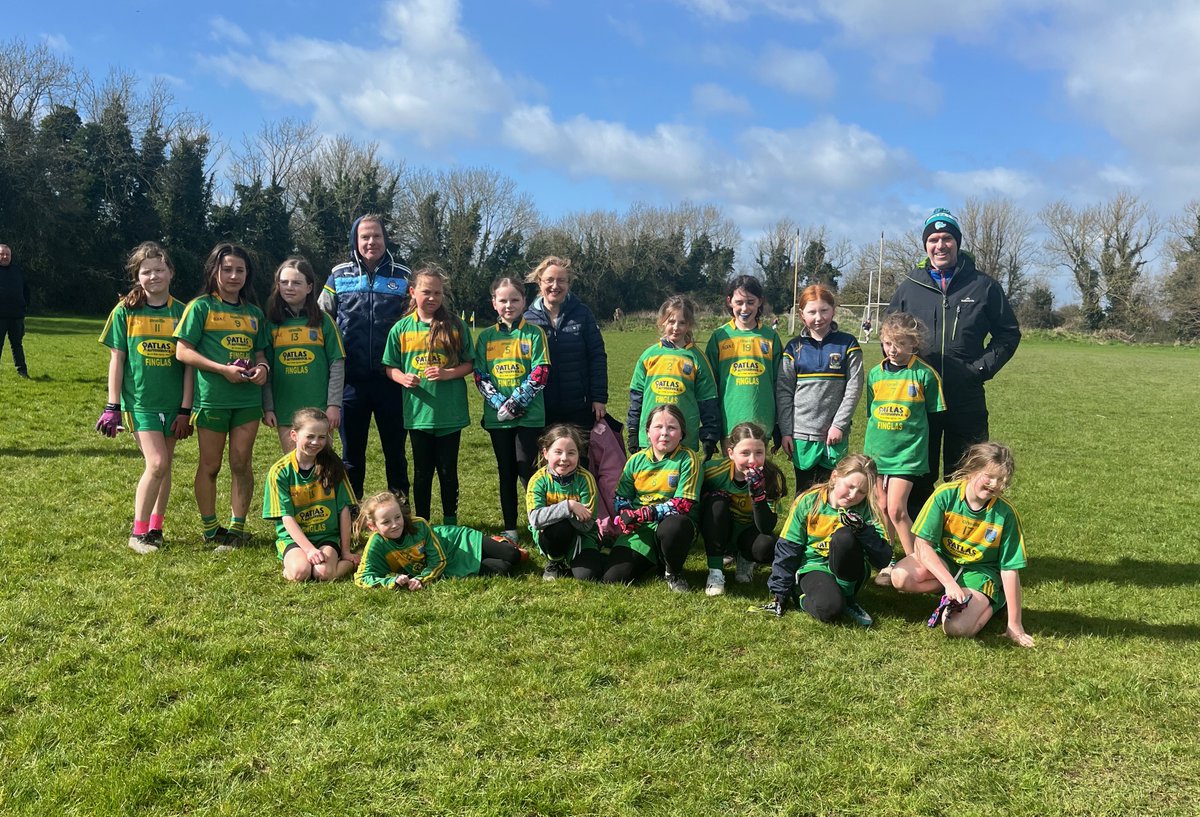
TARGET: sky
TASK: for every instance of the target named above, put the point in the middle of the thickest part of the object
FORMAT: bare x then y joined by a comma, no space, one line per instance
859,115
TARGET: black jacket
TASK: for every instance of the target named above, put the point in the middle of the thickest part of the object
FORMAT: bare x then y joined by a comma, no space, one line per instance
972,329
14,292
578,362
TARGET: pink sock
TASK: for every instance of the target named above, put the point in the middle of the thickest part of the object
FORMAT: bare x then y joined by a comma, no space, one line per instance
156,521
140,526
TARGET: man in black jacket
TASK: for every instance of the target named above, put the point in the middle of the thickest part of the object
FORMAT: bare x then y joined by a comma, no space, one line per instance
972,334
14,300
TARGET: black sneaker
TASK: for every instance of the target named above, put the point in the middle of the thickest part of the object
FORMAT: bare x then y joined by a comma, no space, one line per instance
22,373
777,606
556,570
155,537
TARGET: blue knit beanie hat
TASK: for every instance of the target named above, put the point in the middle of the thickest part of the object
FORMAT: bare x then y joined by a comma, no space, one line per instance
942,220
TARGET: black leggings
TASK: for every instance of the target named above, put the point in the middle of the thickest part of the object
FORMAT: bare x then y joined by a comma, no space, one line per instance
823,597
673,536
951,433
716,526
817,475
558,540
431,454
516,450
499,556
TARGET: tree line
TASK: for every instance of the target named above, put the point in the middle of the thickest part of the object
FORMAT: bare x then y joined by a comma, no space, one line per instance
89,168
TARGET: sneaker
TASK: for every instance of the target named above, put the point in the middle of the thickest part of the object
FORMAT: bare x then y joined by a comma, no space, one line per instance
860,616
677,583
744,573
510,535
776,607
715,586
727,561
155,537
22,373
218,538
141,543
556,570
884,577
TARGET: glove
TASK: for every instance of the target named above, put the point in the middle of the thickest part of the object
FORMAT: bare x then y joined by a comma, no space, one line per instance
110,420
631,440
710,448
630,520
851,520
756,481
508,410
244,365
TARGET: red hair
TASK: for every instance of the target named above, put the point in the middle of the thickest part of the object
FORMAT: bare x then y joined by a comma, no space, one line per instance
817,292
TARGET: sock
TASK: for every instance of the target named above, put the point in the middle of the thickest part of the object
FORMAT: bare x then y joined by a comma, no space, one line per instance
716,562
237,524
449,519
210,525
156,521
140,526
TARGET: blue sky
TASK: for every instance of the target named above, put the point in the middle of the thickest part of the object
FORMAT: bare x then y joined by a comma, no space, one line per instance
860,115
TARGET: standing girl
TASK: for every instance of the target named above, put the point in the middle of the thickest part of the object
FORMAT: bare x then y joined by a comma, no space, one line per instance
220,331
308,358
428,352
655,502
511,367
832,536
147,383
674,372
820,380
405,553
309,497
561,502
902,391
739,506
745,353
969,544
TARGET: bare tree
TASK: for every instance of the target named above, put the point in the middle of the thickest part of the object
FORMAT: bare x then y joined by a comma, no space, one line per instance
32,79
1074,242
1127,229
997,234
277,155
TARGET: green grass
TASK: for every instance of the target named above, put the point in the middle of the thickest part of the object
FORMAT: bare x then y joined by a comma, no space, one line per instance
187,683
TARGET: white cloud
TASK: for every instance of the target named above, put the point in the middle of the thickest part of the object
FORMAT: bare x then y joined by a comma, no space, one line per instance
671,155
424,78
57,42
735,10
711,98
227,32
985,182
804,73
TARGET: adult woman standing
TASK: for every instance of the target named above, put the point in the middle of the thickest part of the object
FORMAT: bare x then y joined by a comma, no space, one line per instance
578,387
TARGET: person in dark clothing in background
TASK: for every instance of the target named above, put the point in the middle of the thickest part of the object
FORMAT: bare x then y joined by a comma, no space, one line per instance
14,302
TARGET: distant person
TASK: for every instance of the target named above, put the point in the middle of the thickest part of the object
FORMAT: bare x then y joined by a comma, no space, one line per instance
577,390
148,384
14,302
819,385
366,296
963,308
969,545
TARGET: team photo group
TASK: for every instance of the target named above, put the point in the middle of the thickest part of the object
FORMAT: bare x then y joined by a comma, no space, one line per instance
605,501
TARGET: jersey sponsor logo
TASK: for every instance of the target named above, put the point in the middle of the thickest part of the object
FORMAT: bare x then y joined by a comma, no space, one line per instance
960,551
156,348
423,360
891,412
747,368
296,357
508,369
313,518
667,386
237,343
835,360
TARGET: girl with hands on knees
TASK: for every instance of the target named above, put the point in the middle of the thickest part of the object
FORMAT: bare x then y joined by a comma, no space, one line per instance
308,359
309,496
970,546
146,380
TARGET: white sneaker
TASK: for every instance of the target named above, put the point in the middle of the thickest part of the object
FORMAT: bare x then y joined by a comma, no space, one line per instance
884,577
745,570
140,543
715,586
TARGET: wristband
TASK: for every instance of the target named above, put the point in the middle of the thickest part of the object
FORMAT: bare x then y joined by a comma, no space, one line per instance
185,412
112,406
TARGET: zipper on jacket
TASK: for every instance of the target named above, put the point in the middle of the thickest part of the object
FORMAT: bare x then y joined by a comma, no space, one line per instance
954,329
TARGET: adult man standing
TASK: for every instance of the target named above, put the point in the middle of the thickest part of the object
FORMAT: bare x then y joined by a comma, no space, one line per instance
14,300
365,297
972,334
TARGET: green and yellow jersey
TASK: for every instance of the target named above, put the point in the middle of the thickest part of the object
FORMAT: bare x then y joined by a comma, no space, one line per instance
151,378
223,333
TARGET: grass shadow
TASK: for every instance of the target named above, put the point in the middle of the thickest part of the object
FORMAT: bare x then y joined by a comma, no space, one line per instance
1138,572
1067,624
63,326
40,453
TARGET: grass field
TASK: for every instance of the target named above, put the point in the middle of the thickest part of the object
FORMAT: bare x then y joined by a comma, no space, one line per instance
188,683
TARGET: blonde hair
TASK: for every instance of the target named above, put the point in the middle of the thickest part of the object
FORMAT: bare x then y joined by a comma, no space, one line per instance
136,296
903,326
981,457
550,261
686,308
848,466
366,512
